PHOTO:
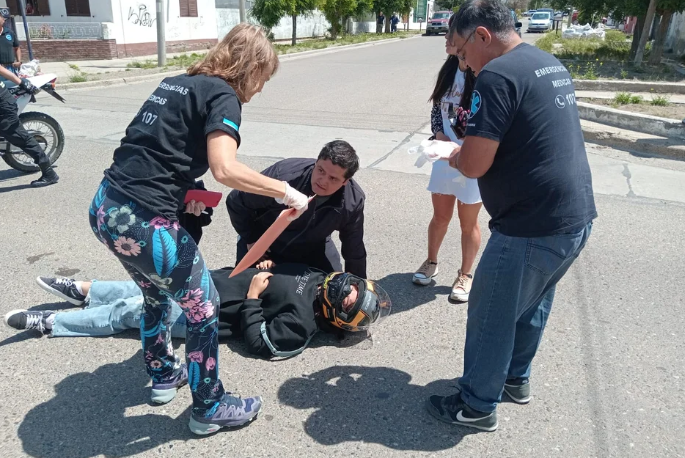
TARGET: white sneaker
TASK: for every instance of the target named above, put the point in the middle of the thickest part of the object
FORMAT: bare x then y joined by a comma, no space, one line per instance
426,273
461,287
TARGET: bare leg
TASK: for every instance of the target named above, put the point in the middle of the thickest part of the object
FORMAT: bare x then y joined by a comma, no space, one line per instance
443,209
470,234
85,287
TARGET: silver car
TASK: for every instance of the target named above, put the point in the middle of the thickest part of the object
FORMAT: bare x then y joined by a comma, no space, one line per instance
540,22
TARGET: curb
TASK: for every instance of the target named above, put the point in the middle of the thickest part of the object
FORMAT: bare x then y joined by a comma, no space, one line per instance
283,58
652,125
332,49
117,81
629,86
656,146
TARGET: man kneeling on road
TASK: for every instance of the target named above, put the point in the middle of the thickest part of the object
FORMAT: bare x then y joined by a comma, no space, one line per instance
338,206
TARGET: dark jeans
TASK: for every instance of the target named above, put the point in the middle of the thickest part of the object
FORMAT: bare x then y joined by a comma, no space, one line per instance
14,132
323,256
164,261
510,301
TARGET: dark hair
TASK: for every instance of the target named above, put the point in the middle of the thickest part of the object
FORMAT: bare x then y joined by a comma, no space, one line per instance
494,15
446,80
341,153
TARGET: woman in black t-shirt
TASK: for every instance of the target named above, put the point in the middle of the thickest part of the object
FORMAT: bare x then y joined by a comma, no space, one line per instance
188,125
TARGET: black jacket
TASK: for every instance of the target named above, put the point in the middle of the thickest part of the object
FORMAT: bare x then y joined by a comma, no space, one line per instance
252,214
282,321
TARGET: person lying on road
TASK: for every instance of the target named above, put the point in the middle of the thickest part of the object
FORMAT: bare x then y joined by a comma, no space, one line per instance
275,311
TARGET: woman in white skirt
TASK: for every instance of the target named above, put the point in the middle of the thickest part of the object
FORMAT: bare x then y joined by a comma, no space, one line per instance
451,101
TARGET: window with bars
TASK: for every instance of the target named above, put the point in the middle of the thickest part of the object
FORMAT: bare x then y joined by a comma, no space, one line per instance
33,7
77,7
188,8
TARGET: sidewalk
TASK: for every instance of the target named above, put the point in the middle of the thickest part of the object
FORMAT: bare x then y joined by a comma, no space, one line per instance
64,71
672,98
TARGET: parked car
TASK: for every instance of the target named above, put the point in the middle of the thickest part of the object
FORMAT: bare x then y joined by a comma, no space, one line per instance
438,23
517,24
540,22
529,13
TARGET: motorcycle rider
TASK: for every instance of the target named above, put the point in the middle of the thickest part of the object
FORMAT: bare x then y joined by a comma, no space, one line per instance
276,311
13,131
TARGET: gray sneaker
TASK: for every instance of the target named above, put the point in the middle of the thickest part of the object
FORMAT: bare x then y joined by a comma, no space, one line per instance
163,392
229,412
518,390
451,409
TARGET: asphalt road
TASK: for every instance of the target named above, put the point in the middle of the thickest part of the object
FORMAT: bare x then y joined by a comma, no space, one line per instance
608,379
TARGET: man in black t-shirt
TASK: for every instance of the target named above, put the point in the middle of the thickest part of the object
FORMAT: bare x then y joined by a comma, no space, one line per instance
525,145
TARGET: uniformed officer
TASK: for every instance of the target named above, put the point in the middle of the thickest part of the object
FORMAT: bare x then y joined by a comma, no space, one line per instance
10,52
13,131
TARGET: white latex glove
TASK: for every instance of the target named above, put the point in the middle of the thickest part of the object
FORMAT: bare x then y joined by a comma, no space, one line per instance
294,199
439,150
432,150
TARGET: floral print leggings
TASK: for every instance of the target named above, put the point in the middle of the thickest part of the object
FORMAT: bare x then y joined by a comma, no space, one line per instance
162,258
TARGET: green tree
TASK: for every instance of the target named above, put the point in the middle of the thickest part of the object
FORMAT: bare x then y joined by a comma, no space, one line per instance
270,12
450,5
649,17
338,12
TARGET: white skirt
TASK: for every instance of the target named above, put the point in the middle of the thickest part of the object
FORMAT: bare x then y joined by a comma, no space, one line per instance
449,181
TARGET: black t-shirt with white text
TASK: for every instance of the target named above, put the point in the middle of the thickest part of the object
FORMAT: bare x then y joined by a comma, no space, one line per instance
539,183
165,147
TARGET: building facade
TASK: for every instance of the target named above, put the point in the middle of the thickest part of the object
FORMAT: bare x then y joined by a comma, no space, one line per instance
102,29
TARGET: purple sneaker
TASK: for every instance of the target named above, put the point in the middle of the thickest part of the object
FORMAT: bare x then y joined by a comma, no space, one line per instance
229,412
163,392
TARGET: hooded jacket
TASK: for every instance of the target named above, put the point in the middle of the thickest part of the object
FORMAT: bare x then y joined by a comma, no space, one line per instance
282,321
252,214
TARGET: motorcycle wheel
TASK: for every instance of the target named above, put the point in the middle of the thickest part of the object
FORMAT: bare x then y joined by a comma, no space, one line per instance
49,135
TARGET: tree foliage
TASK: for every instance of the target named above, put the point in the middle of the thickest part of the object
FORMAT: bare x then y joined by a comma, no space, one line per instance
270,12
338,12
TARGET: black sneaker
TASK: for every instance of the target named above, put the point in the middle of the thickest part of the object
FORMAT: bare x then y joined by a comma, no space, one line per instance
46,179
64,288
518,390
451,409
26,319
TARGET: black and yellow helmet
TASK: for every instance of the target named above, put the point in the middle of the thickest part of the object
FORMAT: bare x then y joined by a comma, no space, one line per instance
372,304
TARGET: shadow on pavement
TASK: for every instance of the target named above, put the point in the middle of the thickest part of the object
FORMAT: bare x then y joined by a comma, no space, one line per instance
87,417
10,174
371,404
405,295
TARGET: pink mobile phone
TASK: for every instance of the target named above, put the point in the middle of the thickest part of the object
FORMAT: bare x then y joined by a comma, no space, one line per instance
209,198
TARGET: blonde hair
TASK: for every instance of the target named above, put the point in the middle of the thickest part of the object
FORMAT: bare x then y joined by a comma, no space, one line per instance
243,59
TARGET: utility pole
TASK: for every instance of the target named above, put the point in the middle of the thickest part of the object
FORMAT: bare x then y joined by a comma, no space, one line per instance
241,6
161,39
22,8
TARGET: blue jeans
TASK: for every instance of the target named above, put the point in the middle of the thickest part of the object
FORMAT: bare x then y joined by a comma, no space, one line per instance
510,301
113,307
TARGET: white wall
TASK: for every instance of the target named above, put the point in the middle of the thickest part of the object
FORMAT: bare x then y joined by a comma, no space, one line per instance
315,25
675,38
100,11
135,21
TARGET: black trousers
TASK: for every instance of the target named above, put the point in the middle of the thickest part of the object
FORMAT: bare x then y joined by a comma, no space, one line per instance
13,131
323,256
